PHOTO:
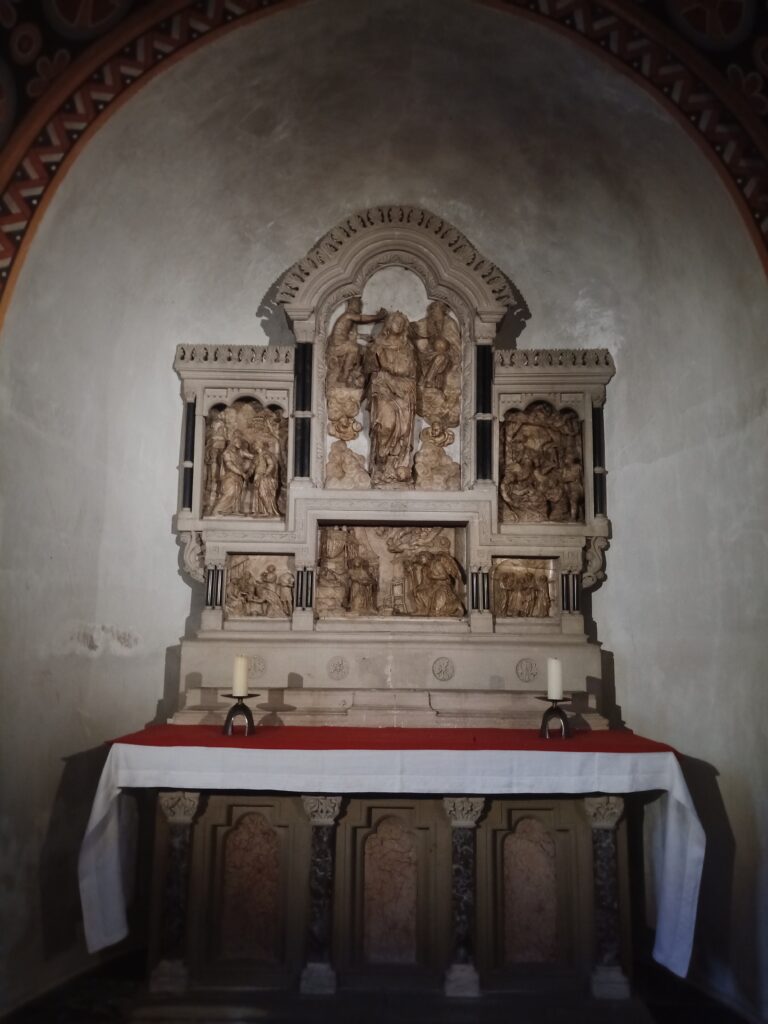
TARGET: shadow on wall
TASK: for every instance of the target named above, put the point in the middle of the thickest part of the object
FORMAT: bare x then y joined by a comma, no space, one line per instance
274,322
169,702
712,946
59,895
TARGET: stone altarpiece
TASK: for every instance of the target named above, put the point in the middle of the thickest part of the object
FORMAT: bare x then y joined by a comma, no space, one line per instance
392,519
395,522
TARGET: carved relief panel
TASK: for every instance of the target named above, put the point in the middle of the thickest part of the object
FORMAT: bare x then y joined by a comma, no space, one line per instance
524,588
392,397
245,460
541,470
259,586
391,571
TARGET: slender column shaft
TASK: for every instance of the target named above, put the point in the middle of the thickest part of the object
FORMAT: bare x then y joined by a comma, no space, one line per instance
461,978
608,979
170,974
318,976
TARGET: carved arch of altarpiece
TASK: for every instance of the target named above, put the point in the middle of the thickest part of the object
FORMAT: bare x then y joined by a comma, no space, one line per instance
451,269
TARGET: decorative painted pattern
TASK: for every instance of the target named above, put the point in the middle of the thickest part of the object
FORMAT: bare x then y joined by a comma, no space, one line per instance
720,117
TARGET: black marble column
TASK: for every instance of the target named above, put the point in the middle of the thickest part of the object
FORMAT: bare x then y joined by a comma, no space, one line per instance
189,456
318,976
461,978
608,979
170,973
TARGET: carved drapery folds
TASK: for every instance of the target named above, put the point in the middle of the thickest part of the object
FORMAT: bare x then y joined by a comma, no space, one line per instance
389,570
542,477
404,373
245,454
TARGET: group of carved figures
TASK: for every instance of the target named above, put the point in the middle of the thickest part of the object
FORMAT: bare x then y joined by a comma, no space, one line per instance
542,474
523,594
242,461
255,592
422,576
406,369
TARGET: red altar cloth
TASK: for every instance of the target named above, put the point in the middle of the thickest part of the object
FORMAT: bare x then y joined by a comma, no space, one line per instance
272,737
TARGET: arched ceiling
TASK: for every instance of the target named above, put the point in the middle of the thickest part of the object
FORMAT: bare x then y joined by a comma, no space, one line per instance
67,64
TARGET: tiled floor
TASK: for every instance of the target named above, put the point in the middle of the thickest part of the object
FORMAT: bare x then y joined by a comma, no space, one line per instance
117,994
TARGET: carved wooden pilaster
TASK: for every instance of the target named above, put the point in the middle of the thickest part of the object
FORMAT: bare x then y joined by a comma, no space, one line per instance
318,976
464,811
608,980
170,974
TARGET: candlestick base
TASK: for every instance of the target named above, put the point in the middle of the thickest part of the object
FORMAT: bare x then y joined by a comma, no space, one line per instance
555,714
239,710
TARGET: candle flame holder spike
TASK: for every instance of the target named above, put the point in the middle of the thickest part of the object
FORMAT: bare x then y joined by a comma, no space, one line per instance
239,710
555,714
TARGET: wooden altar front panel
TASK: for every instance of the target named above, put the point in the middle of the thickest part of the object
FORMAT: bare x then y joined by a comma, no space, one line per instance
249,897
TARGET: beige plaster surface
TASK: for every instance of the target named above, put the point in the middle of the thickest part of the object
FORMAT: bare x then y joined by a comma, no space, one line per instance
173,225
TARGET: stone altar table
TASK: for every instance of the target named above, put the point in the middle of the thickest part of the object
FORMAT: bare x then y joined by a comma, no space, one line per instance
467,767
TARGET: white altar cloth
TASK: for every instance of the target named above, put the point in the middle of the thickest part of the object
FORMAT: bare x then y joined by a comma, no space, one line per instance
674,836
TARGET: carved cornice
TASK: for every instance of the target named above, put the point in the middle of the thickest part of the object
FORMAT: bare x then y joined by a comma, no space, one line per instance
544,358
223,356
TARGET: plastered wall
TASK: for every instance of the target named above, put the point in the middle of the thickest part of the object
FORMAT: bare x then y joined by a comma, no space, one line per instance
173,224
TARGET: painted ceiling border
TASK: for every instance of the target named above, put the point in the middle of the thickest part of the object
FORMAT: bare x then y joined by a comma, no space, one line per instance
81,100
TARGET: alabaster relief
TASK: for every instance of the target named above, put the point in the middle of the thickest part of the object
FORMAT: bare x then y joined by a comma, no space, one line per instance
259,586
404,381
389,570
524,588
245,447
541,474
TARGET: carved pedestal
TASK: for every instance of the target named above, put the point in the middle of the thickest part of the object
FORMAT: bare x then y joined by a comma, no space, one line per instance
171,973
318,976
608,979
461,978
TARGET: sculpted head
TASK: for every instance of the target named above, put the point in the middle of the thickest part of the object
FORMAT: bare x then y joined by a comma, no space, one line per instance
396,323
436,313
355,304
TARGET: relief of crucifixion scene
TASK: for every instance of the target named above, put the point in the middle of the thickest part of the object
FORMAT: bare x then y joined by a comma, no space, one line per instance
245,448
393,395
390,570
259,586
541,473
524,588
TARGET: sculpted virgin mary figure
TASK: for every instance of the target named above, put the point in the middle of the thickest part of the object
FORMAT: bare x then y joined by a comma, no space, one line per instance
391,369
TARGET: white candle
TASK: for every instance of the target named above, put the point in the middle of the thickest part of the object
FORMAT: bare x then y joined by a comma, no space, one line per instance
554,679
240,676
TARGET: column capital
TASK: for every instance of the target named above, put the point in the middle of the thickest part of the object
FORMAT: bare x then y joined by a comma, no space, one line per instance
463,811
322,810
604,812
179,806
